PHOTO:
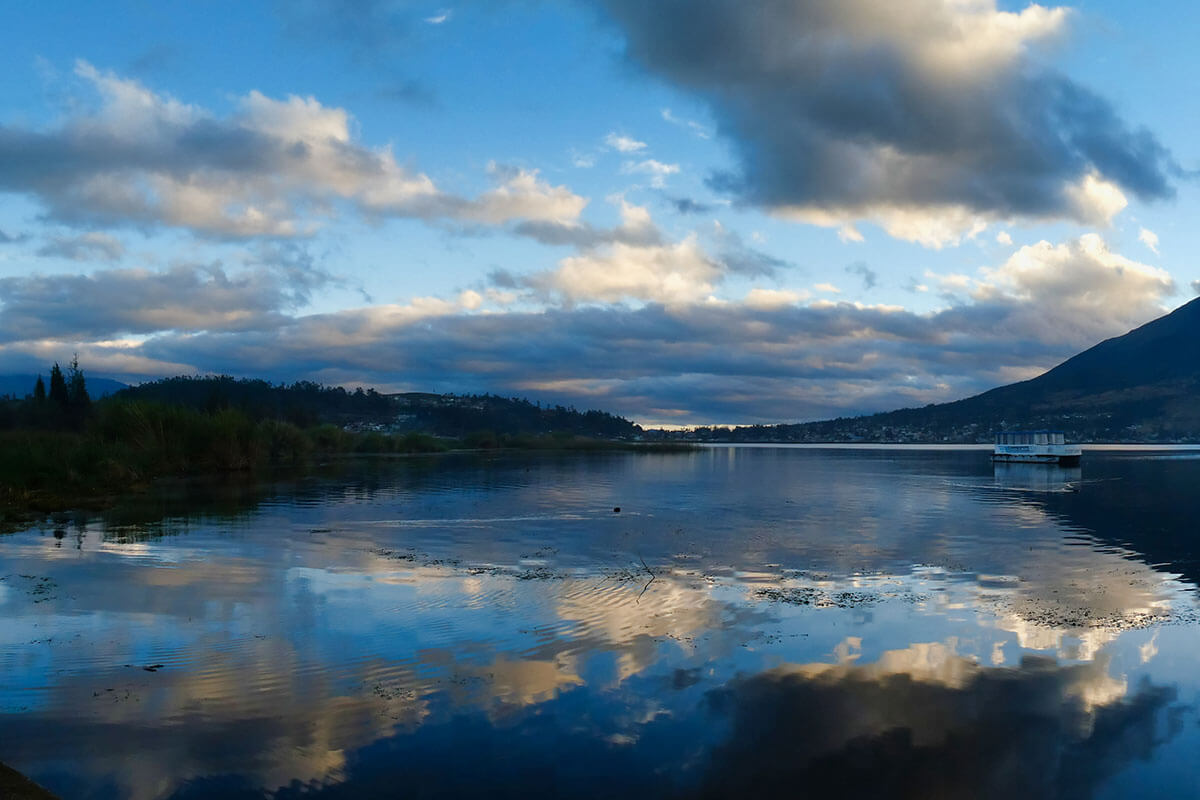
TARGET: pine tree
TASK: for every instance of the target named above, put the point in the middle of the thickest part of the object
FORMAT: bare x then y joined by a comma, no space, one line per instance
58,387
39,391
77,393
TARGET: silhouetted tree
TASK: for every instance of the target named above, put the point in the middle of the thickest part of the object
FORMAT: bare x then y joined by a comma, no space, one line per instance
58,387
39,391
77,393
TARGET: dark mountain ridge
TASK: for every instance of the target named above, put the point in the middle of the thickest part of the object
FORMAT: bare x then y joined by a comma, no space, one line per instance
1143,386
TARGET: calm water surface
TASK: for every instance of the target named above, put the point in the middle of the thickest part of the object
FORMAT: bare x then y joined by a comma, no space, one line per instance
778,620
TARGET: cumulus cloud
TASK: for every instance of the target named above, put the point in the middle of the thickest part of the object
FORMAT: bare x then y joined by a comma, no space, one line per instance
1079,288
272,168
670,273
640,329
931,118
636,228
521,195
1004,238
635,262
94,246
110,303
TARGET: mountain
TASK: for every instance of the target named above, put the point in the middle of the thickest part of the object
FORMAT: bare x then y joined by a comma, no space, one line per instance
21,385
1140,387
1143,384
461,415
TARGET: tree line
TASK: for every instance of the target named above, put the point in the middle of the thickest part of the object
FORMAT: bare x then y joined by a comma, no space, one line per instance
64,404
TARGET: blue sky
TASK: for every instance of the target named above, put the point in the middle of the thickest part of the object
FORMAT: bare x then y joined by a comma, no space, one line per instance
683,212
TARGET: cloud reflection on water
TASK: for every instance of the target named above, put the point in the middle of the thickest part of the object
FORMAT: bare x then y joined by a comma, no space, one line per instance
305,641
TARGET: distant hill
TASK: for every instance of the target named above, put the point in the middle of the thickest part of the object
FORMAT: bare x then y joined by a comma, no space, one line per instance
1140,387
459,415
306,403
19,386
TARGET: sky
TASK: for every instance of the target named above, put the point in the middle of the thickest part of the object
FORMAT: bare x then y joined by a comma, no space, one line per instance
684,212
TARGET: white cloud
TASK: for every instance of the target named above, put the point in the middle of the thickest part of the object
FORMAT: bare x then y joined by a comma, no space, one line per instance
624,144
849,233
657,170
1096,201
774,298
520,194
695,127
949,284
273,168
670,274
932,226
828,288
1004,238
440,17
1080,289
1149,238
582,160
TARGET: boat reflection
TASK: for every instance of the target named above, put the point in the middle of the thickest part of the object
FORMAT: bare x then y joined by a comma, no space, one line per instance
1037,477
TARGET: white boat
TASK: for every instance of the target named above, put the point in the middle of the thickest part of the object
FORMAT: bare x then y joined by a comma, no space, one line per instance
1035,447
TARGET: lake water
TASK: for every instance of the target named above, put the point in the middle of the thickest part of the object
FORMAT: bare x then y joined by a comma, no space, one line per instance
780,620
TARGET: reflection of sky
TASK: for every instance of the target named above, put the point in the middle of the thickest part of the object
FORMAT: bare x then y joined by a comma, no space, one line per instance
298,638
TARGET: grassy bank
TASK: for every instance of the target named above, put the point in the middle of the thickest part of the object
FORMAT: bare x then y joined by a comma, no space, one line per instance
127,444
15,786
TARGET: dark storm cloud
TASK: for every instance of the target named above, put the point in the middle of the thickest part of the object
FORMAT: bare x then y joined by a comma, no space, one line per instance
859,107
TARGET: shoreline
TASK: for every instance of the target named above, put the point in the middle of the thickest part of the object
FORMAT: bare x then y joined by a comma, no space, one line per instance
27,506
